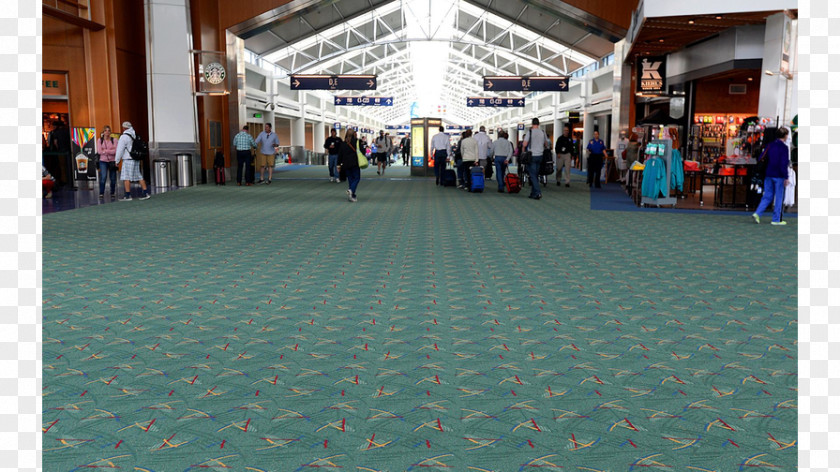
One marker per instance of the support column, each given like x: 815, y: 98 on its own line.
x: 318, y: 130
x: 169, y: 77
x: 774, y: 100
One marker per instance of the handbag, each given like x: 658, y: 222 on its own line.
x: 363, y: 162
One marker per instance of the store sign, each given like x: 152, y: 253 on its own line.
x: 677, y: 108
x: 212, y: 75
x: 54, y: 85
x: 574, y: 116
x: 650, y: 75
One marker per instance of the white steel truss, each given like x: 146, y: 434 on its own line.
x: 480, y: 43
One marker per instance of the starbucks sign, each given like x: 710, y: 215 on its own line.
x: 214, y: 73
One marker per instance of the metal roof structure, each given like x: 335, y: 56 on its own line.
x: 410, y: 43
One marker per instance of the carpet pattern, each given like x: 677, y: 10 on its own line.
x: 282, y: 328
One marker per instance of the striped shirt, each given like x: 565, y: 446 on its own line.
x: 244, y: 141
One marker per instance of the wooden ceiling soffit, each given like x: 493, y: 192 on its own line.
x: 264, y: 21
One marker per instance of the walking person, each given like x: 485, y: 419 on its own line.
x: 776, y: 178
x: 596, y: 149
x: 535, y: 142
x: 267, y: 144
x: 244, y: 143
x: 383, y: 149
x: 484, y: 144
x: 440, y: 148
x: 130, y: 167
x: 502, y: 151
x: 107, y: 149
x: 405, y: 147
x: 469, y: 157
x: 563, y: 148
x: 348, y: 162
x: 331, y: 145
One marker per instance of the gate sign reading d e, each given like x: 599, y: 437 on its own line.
x: 650, y: 75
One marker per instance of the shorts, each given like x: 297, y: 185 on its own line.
x: 381, y: 157
x: 264, y: 160
x: 131, y: 170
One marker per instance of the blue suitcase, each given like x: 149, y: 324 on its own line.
x: 476, y: 179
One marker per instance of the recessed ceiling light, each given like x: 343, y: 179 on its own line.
x: 691, y: 22
x: 718, y: 17
x: 749, y: 78
x: 661, y: 40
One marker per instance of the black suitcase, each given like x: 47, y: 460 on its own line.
x: 250, y: 172
x: 449, y: 178
x: 219, y: 167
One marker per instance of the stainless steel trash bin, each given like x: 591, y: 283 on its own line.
x: 185, y: 177
x: 163, y: 172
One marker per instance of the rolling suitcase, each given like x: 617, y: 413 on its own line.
x: 476, y: 179
x: 512, y: 183
x: 219, y: 167
x: 449, y: 178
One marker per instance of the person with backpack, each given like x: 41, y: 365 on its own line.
x: 107, y: 148
x: 130, y: 162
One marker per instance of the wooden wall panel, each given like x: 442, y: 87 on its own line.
x: 713, y: 97
x: 130, y: 49
x: 233, y: 12
x: 617, y: 12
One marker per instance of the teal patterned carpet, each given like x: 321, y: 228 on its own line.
x: 282, y: 328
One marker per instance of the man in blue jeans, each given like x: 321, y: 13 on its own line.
x: 440, y: 147
x: 540, y: 143
x: 331, y: 146
x: 775, y: 179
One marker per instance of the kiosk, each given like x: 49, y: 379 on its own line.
x: 422, y: 130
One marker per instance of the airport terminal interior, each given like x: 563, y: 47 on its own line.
x: 630, y: 316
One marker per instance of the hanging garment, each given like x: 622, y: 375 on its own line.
x: 654, y: 180
x: 790, y: 189
x: 677, y: 171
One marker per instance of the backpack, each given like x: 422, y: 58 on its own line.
x: 139, y: 148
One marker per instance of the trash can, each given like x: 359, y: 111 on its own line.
x: 163, y: 172
x: 185, y: 177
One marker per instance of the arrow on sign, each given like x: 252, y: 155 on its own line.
x: 562, y: 84
x: 489, y: 85
x: 388, y: 101
x: 521, y: 102
x: 296, y: 83
x: 370, y: 83
x: 471, y: 102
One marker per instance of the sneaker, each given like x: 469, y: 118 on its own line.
x: 377, y: 172
x: 756, y: 218
x: 260, y: 181
x: 126, y: 198
x: 352, y: 198
x: 349, y: 195
x: 267, y: 182
x: 778, y: 223
x: 101, y: 196
x: 145, y: 196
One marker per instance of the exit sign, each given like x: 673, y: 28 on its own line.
x: 257, y: 115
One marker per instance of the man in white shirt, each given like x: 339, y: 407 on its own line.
x: 469, y: 156
x: 484, y: 143
x: 535, y: 142
x: 440, y: 149
x: 383, y: 150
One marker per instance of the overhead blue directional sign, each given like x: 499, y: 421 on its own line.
x: 526, y: 84
x: 364, y: 101
x: 473, y: 102
x: 332, y: 82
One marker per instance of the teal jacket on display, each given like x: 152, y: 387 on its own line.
x: 677, y: 174
x: 654, y: 178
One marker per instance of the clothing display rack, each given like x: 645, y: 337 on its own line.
x: 660, y: 148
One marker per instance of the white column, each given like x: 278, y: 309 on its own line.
x: 773, y: 99
x: 299, y: 123
x: 588, y: 129
x: 318, y: 130
x: 169, y: 79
